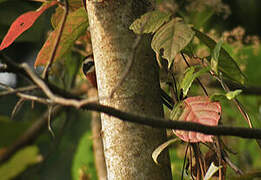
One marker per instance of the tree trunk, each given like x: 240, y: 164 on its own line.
x: 128, y: 147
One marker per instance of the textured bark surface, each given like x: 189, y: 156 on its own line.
x: 127, y: 146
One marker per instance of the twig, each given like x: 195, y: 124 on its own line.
x: 17, y: 107
x: 56, y: 43
x: 55, y: 99
x: 184, y: 162
x: 17, y: 90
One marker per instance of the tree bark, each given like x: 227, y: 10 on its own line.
x: 127, y: 146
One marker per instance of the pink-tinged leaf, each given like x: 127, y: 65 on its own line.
x: 22, y: 23
x: 197, y: 109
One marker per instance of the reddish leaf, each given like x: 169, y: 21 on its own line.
x: 76, y: 24
x: 197, y: 109
x: 22, y: 23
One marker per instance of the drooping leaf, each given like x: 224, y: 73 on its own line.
x: 197, y: 109
x: 76, y: 24
x: 211, y: 171
x: 190, y: 76
x: 159, y: 149
x: 172, y: 38
x: 226, y: 63
x: 232, y: 94
x: 22, y: 23
x: 215, y: 57
x: 149, y: 22
x: 19, y: 162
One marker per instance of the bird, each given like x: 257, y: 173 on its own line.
x: 88, y: 69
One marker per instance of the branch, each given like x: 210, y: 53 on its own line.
x: 150, y: 121
x: 174, y: 124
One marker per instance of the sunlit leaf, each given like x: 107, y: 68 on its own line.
x: 215, y: 57
x: 76, y: 25
x: 223, y: 97
x: 83, y: 160
x: 149, y: 22
x: 211, y: 171
x: 232, y: 94
x: 19, y: 162
x: 226, y: 63
x: 159, y: 149
x: 190, y: 76
x: 22, y: 23
x: 172, y: 38
x: 197, y: 109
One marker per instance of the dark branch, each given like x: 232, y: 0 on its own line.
x: 179, y: 125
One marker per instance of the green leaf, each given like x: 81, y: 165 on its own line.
x: 76, y: 25
x: 177, y: 111
x: 223, y: 97
x: 83, y: 161
x: 149, y: 22
x: 190, y: 76
x: 211, y: 171
x: 232, y: 94
x: 19, y: 162
x: 172, y: 38
x: 215, y: 57
x: 226, y: 63
x: 160, y: 148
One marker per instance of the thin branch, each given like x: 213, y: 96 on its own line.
x: 56, y: 43
x: 179, y: 125
x: 17, y: 90
x: 17, y: 107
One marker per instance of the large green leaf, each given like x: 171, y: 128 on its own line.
x: 149, y: 22
x: 226, y: 63
x: 19, y: 162
x: 172, y: 38
x: 76, y: 25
